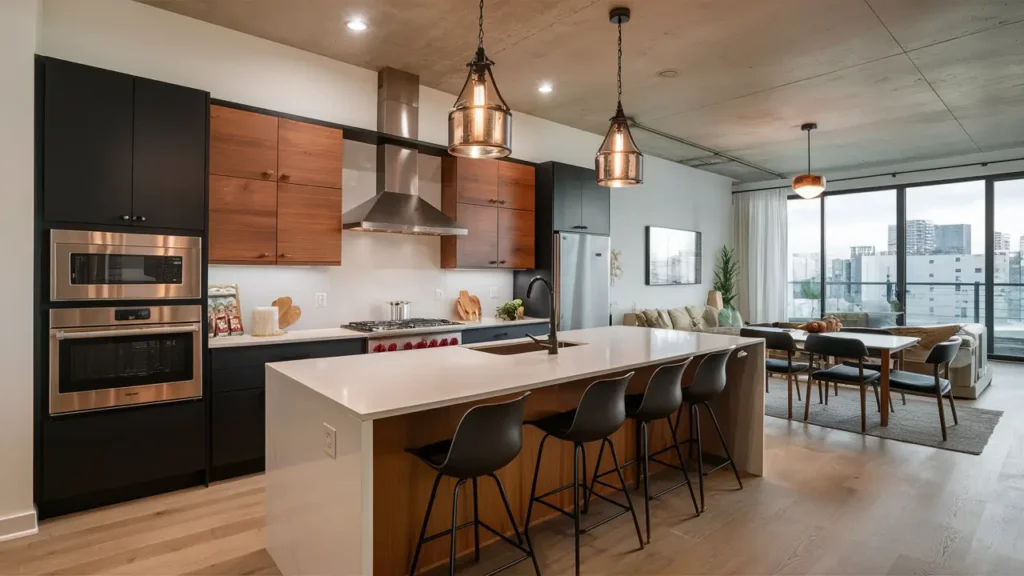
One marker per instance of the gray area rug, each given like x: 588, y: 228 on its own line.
x: 916, y: 423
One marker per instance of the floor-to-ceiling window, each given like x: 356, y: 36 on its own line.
x: 945, y: 247
x: 860, y: 258
x: 1007, y: 278
x: 803, y: 300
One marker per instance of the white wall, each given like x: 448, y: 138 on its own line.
x: 18, y: 22
x: 145, y: 41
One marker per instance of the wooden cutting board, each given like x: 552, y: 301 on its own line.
x: 476, y: 306
x: 463, y: 313
x: 287, y: 314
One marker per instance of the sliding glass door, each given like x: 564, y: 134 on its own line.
x: 1007, y: 322
x: 803, y: 300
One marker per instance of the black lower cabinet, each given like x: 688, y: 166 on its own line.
x: 98, y: 458
x: 238, y: 400
x: 476, y: 335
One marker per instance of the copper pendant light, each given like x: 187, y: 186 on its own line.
x: 480, y: 123
x: 809, y: 185
x: 619, y: 162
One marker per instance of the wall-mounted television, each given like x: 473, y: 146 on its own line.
x: 673, y: 257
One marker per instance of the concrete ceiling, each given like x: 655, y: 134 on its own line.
x: 887, y: 81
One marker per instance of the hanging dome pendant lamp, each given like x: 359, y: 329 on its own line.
x: 619, y: 162
x: 480, y: 123
x: 809, y: 185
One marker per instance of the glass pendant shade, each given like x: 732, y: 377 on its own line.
x: 480, y: 123
x: 809, y: 185
x: 619, y: 162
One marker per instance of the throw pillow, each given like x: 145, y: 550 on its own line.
x: 664, y: 320
x: 697, y: 314
x: 730, y: 318
x: 641, y: 321
x: 680, y: 319
x: 929, y: 335
x: 711, y: 317
x: 657, y: 319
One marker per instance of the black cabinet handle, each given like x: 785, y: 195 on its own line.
x: 502, y: 335
x: 493, y: 262
x: 501, y: 202
x: 125, y: 217
x: 501, y: 261
x: 491, y: 200
x: 584, y: 227
x: 140, y: 218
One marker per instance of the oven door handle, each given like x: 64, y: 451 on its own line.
x: 61, y: 335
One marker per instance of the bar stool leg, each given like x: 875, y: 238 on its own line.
x: 455, y: 525
x: 533, y: 492
x: 576, y: 501
x: 512, y: 520
x: 725, y: 447
x: 647, y: 486
x: 637, y: 448
x: 593, y: 478
x: 629, y: 501
x: 695, y: 418
x: 476, y: 524
x: 426, y: 520
x: 586, y: 497
x: 682, y: 463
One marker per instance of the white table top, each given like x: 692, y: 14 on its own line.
x: 871, y: 341
x: 373, y: 386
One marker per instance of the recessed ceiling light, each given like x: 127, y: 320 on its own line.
x: 545, y: 88
x: 356, y: 24
x: 668, y: 73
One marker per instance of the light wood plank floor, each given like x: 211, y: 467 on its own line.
x: 831, y: 502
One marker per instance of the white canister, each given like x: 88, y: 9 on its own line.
x: 264, y: 321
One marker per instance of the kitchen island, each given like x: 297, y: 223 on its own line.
x: 344, y: 498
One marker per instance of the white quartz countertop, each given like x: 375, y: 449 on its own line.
x: 373, y: 386
x: 291, y: 336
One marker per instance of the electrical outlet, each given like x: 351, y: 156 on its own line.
x: 493, y: 292
x: 321, y: 299
x: 330, y: 441
x: 438, y: 294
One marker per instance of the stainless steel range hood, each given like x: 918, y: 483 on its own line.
x: 397, y: 207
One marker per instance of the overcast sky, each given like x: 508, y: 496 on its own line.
x: 864, y: 219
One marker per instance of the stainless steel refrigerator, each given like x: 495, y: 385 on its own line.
x: 582, y: 274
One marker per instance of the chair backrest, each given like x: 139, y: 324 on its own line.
x: 601, y: 411
x: 709, y: 379
x: 943, y: 352
x: 861, y: 330
x: 487, y: 439
x: 835, y: 346
x: 664, y: 394
x: 773, y: 339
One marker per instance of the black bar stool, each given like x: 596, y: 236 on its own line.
x: 601, y: 412
x: 708, y: 382
x: 781, y: 342
x: 662, y: 398
x: 486, y: 440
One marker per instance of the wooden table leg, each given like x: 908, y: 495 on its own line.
x: 789, y: 394
x: 886, y: 358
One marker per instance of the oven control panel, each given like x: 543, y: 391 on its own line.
x: 417, y: 342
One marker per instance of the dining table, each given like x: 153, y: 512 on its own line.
x: 887, y: 346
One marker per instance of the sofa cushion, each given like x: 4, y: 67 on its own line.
x: 729, y: 318
x: 657, y: 319
x: 929, y: 335
x: 680, y: 319
x: 697, y: 315
x: 637, y: 318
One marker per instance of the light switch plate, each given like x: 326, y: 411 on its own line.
x: 321, y: 299
x: 493, y: 292
x: 438, y: 294
x: 330, y: 441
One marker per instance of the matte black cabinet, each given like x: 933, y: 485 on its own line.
x: 120, y: 150
x: 238, y: 409
x: 508, y: 332
x: 578, y: 203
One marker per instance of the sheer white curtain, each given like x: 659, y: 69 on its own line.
x: 759, y: 237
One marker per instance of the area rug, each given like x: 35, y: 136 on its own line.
x: 915, y: 423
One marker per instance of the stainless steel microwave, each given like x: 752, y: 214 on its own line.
x: 88, y: 265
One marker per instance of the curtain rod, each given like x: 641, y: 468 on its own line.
x: 895, y: 174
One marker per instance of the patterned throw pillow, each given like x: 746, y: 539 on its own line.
x: 640, y: 320
x: 680, y: 319
x: 711, y: 317
x: 657, y: 319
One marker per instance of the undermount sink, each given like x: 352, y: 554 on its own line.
x: 521, y: 348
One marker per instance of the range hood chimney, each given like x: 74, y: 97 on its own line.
x: 397, y: 206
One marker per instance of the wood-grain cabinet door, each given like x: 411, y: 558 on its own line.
x: 479, y: 248
x: 515, y: 238
x: 309, y: 154
x: 308, y: 225
x: 516, y: 186
x: 243, y: 221
x: 477, y: 181
x: 243, y: 144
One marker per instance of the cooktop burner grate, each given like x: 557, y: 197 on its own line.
x: 387, y: 325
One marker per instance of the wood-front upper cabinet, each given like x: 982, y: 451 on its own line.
x: 309, y: 154
x: 243, y: 221
x: 495, y: 201
x: 308, y: 225
x: 243, y: 144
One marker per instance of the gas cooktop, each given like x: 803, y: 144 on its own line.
x: 387, y: 325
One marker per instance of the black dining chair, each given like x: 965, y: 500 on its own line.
x: 922, y: 385
x: 600, y: 413
x: 487, y: 439
x: 842, y: 349
x: 662, y: 399
x: 780, y: 341
x: 708, y: 382
x: 871, y: 362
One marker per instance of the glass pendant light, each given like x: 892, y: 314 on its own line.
x: 809, y: 185
x: 480, y: 123
x: 619, y: 162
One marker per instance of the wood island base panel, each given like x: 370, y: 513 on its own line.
x: 343, y: 496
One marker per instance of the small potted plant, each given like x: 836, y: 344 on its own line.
x: 726, y: 273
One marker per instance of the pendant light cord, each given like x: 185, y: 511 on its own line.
x: 620, y: 67
x: 808, y: 151
x: 480, y: 37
